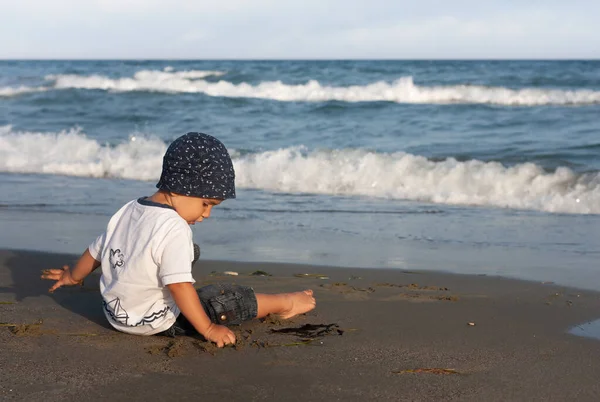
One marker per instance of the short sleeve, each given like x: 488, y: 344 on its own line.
x: 96, y: 247
x: 175, y: 260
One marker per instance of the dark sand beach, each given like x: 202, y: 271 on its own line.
x: 376, y: 335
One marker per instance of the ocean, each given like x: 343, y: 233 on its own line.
x: 481, y: 167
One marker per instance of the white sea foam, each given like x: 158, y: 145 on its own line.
x: 6, y: 92
x: 342, y: 172
x: 402, y: 90
x: 413, y: 177
x: 145, y: 80
x: 71, y: 153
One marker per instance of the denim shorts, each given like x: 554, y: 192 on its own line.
x: 224, y: 304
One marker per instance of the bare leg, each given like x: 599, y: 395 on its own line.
x: 286, y: 305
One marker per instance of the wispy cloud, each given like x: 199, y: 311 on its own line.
x: 299, y: 29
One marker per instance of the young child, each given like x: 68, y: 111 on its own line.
x: 147, y: 251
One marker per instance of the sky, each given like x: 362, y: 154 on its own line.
x: 299, y: 29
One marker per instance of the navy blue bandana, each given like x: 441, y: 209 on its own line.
x: 198, y: 165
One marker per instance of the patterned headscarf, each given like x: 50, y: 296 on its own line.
x: 198, y: 165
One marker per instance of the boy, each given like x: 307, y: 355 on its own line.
x: 147, y: 252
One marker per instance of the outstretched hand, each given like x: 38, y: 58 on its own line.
x: 62, y: 277
x: 220, y: 335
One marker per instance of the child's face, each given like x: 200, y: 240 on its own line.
x: 194, y: 209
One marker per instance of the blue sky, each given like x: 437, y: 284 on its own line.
x: 267, y: 29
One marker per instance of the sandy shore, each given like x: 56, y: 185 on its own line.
x: 376, y: 335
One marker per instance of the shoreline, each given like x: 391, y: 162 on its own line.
x: 550, y: 248
x: 377, y: 334
x: 584, y: 280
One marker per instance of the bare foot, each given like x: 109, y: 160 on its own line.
x: 300, y: 302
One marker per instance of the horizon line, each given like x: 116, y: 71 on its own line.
x: 300, y: 59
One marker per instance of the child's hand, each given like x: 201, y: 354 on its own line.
x: 220, y: 335
x: 61, y: 276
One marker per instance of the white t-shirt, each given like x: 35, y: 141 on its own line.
x: 146, y: 246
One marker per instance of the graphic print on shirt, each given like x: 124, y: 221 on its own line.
x: 118, y: 313
x: 154, y: 316
x: 116, y: 258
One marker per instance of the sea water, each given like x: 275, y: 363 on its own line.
x: 488, y: 167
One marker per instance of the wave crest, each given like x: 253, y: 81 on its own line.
x: 71, y: 153
x: 412, y: 177
x: 402, y: 90
x: 342, y: 172
x: 7, y: 92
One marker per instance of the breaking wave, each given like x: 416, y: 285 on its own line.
x: 335, y: 172
x: 7, y: 92
x: 403, y: 90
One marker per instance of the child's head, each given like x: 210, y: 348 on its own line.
x: 197, y: 166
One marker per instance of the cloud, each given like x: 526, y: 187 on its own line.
x: 299, y: 29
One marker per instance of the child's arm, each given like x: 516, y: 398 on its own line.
x: 188, y: 302
x: 66, y: 277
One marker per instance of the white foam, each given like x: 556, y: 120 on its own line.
x: 412, y: 177
x: 340, y: 172
x: 71, y: 153
x: 145, y: 80
x: 167, y: 80
x: 7, y: 92
x: 402, y: 90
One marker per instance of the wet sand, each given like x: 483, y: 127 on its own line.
x: 376, y: 335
